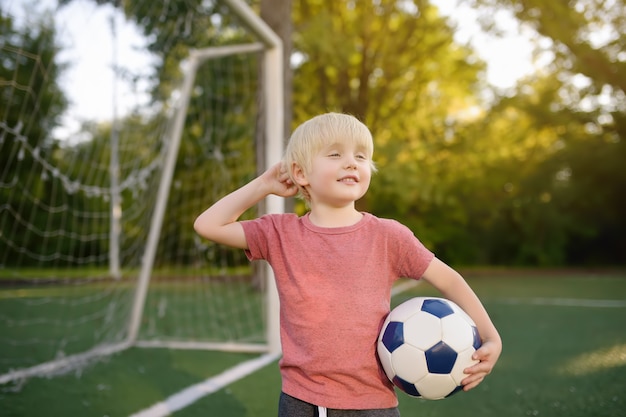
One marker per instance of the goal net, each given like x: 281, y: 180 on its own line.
x: 106, y: 162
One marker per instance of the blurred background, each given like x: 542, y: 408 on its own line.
x: 499, y: 130
x: 499, y: 125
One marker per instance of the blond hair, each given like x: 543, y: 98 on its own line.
x: 321, y: 131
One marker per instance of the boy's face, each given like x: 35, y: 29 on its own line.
x: 340, y: 175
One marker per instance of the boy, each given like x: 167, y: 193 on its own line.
x: 334, y: 269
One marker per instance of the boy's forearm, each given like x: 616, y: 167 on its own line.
x: 486, y: 329
x: 229, y: 208
x: 213, y: 222
x: 454, y: 287
x: 466, y: 298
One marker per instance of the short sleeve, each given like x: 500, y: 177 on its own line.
x: 260, y: 234
x: 414, y: 257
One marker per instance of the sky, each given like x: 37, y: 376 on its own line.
x: 88, y: 42
x: 508, y: 58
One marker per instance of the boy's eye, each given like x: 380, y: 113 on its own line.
x: 361, y: 156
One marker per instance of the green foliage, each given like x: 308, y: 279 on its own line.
x: 176, y: 26
x: 31, y: 103
x: 216, y: 154
x: 566, y: 208
x: 510, y: 181
x: 216, y: 151
x: 393, y: 58
x: 532, y: 177
x: 398, y: 68
x: 216, y: 146
x: 588, y: 36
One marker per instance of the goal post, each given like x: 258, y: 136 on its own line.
x: 273, y: 155
x: 273, y: 96
x: 92, y: 259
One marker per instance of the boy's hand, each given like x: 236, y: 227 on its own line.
x: 488, y: 355
x: 278, y: 182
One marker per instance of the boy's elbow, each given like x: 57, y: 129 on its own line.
x: 200, y: 228
x: 230, y: 234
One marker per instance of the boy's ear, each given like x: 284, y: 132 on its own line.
x: 298, y: 174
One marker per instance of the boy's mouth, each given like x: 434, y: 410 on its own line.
x: 349, y: 179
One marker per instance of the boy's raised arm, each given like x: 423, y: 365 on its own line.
x: 219, y: 223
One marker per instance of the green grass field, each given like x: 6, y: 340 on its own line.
x: 564, y: 354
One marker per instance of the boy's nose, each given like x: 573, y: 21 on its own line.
x: 351, y: 162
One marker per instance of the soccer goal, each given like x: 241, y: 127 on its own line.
x: 97, y: 248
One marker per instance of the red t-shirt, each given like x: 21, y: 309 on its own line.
x: 334, y: 286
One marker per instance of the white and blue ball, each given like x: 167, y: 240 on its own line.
x: 424, y: 346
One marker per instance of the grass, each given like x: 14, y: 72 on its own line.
x: 118, y: 386
x: 558, y: 360
x: 93, y: 273
x: 35, y: 324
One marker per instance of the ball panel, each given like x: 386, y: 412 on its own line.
x: 456, y: 332
x: 384, y: 357
x: 457, y: 389
x: 440, y: 358
x: 435, y: 386
x: 425, y: 344
x: 409, y: 363
x: 458, y: 310
x: 477, y: 342
x: 393, y: 336
x: 422, y: 330
x: 463, y: 360
x: 405, y: 386
x: 405, y: 310
x: 438, y: 307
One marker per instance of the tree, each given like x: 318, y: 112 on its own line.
x: 30, y: 105
x: 587, y: 36
x: 395, y: 66
x: 582, y: 103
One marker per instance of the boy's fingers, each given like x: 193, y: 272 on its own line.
x: 482, y: 352
x: 471, y: 385
x: 475, y: 376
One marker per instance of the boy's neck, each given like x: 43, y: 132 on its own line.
x: 334, y: 217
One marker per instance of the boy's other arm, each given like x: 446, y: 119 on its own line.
x: 454, y: 287
x: 219, y: 222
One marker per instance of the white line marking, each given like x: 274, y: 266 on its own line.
x: 193, y: 393
x: 566, y: 302
x: 403, y: 286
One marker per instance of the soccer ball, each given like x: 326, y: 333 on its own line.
x: 424, y: 345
